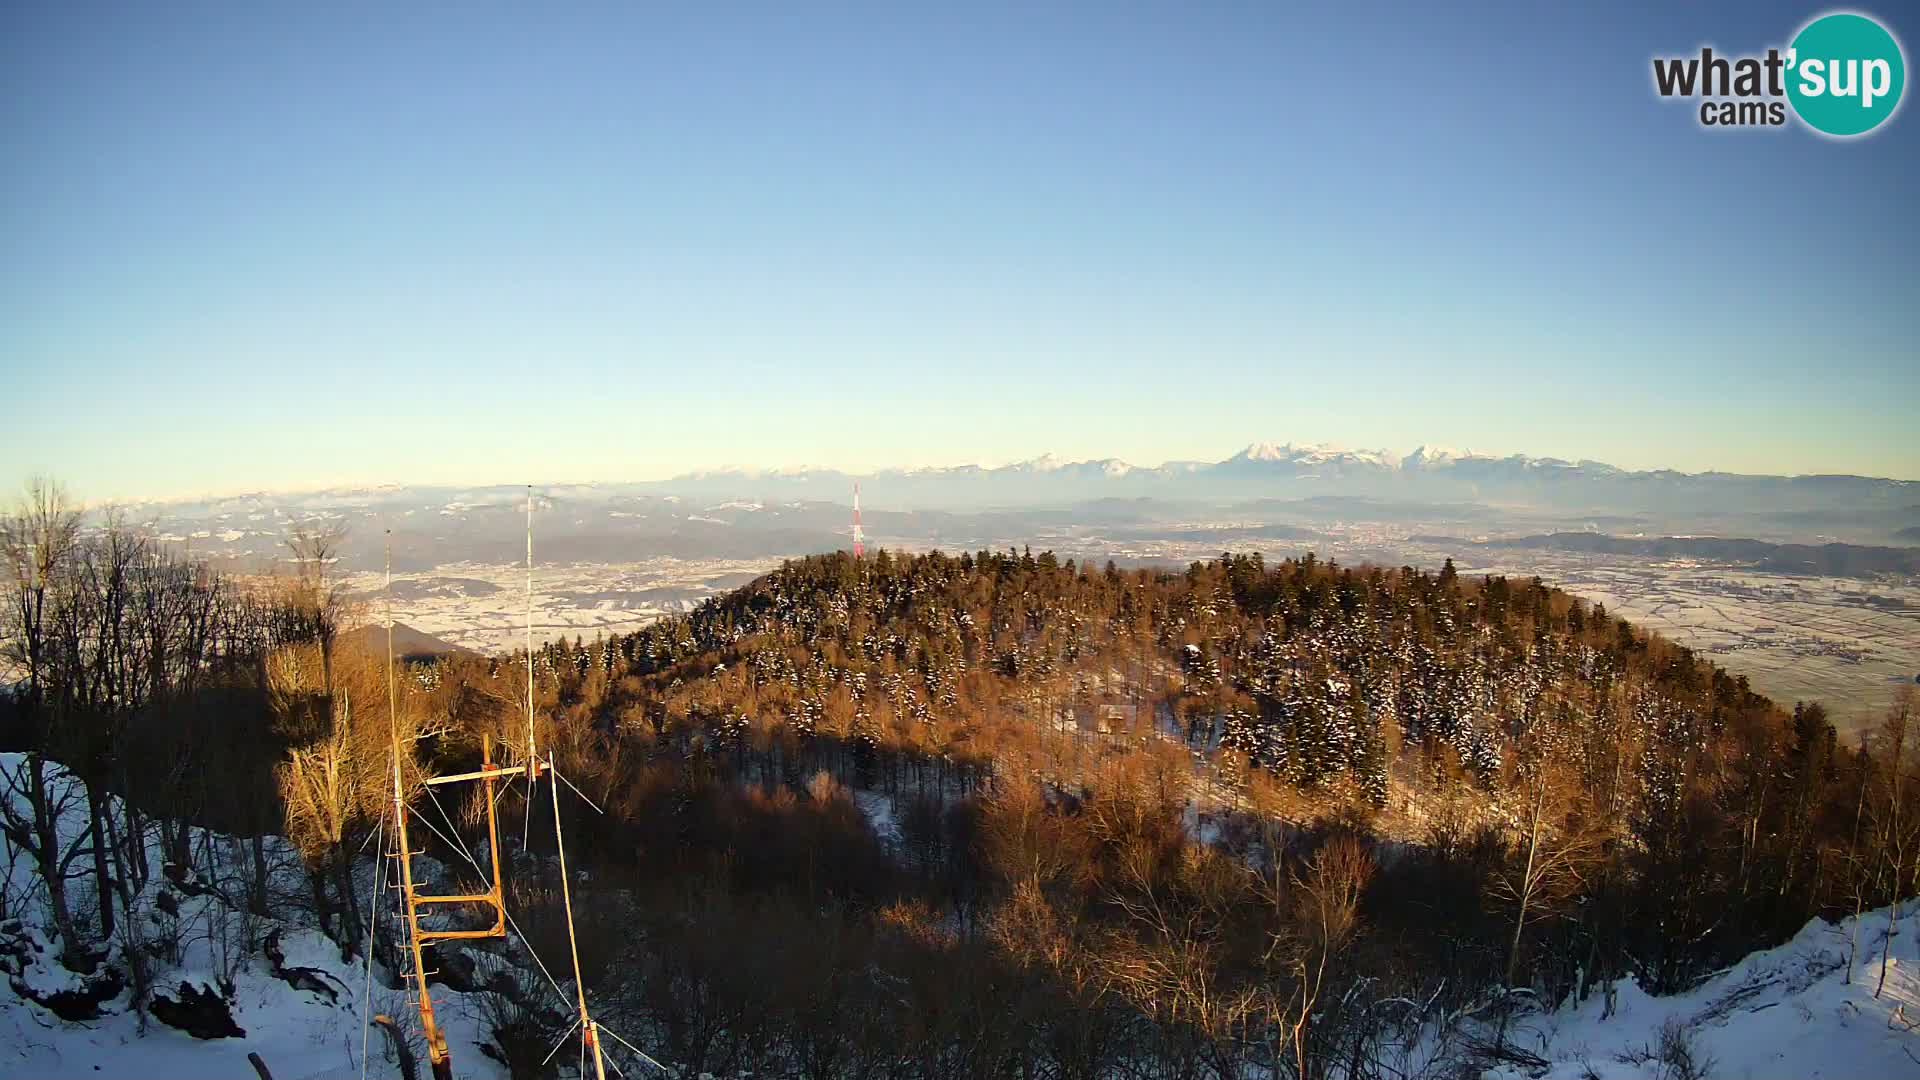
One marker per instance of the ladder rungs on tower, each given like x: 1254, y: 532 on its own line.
x: 471, y: 898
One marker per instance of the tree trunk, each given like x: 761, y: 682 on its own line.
x: 350, y: 910
x: 257, y: 896
x: 1886, y: 948
x: 102, y: 880
x: 47, y: 857
x: 136, y: 844
x: 322, y: 910
x: 1526, y: 894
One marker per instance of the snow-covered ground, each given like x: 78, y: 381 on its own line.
x: 200, y: 942
x: 300, y: 1034
x: 1788, y: 1012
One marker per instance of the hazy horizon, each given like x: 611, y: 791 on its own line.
x: 94, y: 498
x: 719, y: 469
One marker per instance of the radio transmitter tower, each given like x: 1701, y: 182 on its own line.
x: 859, y: 538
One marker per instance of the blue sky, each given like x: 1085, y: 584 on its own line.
x: 243, y: 248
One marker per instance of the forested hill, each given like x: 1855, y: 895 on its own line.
x: 1310, y: 670
x: 1622, y: 803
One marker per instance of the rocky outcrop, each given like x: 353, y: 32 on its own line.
x: 310, y: 979
x: 77, y: 996
x: 201, y: 1011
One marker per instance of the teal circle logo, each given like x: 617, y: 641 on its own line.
x: 1845, y: 73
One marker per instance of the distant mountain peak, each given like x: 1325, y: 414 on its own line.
x: 1050, y: 463
x: 1265, y: 451
x: 1427, y: 454
x: 1314, y: 454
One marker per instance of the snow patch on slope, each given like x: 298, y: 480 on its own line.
x: 1790, y: 1011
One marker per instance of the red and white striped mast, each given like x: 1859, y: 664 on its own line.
x: 859, y: 538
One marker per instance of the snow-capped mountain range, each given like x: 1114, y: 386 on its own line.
x: 1294, y: 470
x: 1261, y: 471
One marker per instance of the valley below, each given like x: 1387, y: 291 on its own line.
x: 610, y: 559
x: 1795, y: 638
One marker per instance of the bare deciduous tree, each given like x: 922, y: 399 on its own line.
x: 1896, y: 821
x: 316, y: 600
x: 39, y: 539
x: 336, y: 780
x: 1320, y: 913
x: 1556, y: 847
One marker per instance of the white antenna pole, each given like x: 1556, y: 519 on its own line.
x: 533, y: 762
x: 859, y: 537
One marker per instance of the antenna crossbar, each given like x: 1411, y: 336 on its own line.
x: 471, y: 898
x: 478, y: 774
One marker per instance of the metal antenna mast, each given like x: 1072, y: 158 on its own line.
x: 418, y: 937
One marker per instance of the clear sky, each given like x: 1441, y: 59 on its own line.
x: 280, y: 245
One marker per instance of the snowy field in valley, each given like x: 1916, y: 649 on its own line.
x: 484, y: 607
